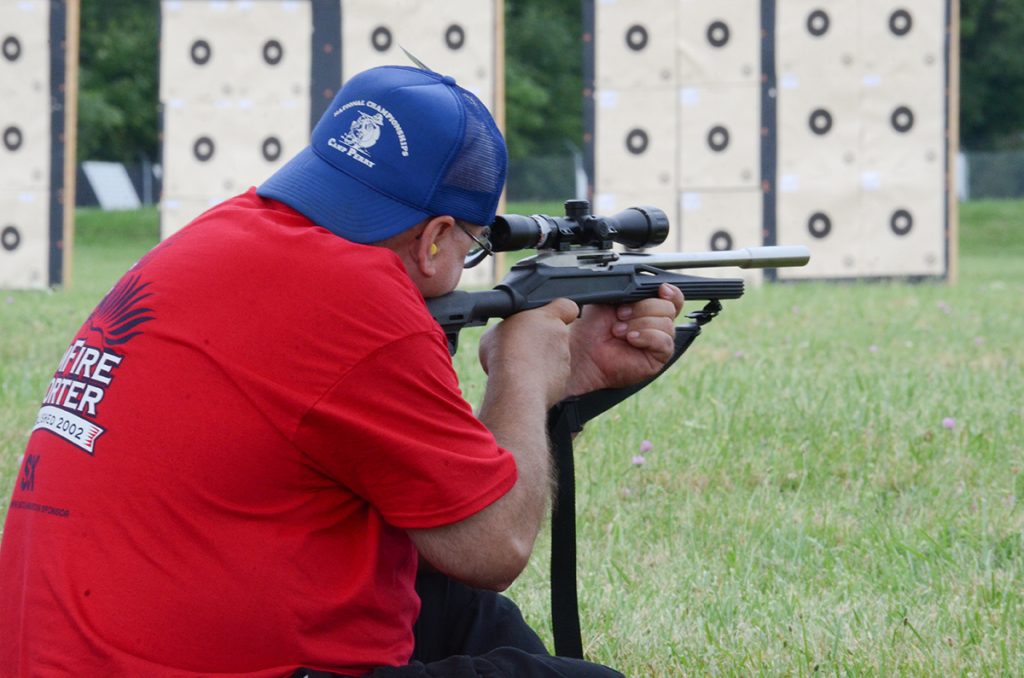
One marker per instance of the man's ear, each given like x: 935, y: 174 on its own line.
x: 428, y: 244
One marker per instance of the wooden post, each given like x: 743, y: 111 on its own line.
x: 499, y: 110
x: 71, y: 42
x: 953, y: 142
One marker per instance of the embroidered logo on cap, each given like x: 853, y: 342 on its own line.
x: 364, y: 132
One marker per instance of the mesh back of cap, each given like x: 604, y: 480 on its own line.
x: 472, y: 185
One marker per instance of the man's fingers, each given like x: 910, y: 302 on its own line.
x: 654, y: 334
x: 656, y: 342
x: 667, y: 304
x: 648, y: 322
x: 564, y: 309
x: 673, y: 294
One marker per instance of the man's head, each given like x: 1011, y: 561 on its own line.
x: 397, y: 146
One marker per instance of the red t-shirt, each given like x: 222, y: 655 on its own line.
x: 227, y: 459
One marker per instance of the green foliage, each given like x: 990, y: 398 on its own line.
x: 992, y: 73
x: 118, y: 91
x: 543, y: 71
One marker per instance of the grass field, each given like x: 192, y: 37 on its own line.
x: 833, y: 482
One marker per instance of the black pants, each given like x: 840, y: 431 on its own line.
x: 464, y: 632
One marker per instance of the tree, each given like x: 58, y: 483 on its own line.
x: 543, y: 76
x: 118, y: 75
x: 991, y: 73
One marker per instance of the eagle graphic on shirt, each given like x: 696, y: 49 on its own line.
x: 71, y: 405
x: 120, y: 313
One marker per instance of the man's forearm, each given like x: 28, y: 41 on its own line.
x: 490, y: 548
x: 517, y: 417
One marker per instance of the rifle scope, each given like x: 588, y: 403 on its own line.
x: 635, y: 227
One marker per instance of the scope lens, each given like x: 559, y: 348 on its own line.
x: 639, y: 227
x: 511, y: 232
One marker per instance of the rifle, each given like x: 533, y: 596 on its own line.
x: 576, y: 259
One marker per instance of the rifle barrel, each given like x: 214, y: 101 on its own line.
x: 775, y: 256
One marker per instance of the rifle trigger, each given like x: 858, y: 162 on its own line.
x: 453, y: 342
x: 706, y: 314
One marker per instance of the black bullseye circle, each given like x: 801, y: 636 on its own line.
x: 819, y: 225
x: 13, y: 138
x: 455, y: 37
x: 203, y: 149
x: 820, y: 121
x: 201, y: 52
x: 381, y: 39
x: 271, y: 149
x: 11, y: 48
x: 902, y: 119
x: 637, y: 141
x: 900, y: 22
x: 901, y: 222
x: 10, y: 238
x: 818, y: 23
x: 273, y: 52
x: 720, y: 241
x: 718, y: 138
x: 718, y: 33
x: 636, y: 37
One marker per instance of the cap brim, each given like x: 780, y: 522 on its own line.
x: 335, y: 200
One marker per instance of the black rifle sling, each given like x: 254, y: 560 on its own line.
x: 565, y: 615
x: 565, y: 419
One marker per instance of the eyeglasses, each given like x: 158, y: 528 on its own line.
x: 482, y: 246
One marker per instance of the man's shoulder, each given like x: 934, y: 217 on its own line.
x: 250, y: 231
x: 250, y: 246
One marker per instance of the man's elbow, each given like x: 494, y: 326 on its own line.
x: 499, y: 575
x: 491, y: 564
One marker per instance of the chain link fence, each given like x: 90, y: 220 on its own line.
x: 980, y: 175
x: 990, y: 175
x: 544, y: 178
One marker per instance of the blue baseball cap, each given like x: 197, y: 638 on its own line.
x: 397, y: 145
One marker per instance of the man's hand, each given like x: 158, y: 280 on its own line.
x: 532, y: 348
x: 614, y: 347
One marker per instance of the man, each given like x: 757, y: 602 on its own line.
x: 258, y: 433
